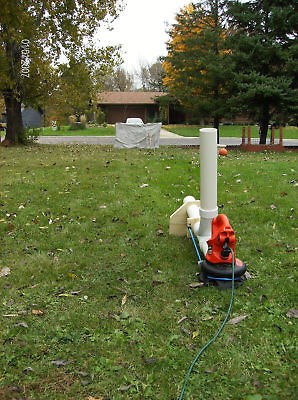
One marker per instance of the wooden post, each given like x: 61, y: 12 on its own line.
x: 281, y: 136
x: 249, y: 135
x: 243, y: 135
x: 272, y: 134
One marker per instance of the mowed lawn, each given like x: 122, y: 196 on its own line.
x: 97, y: 300
x: 289, y: 132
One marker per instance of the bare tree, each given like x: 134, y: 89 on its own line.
x: 119, y: 80
x: 151, y: 77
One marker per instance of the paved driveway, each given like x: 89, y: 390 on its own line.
x: 166, y: 139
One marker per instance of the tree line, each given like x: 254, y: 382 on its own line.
x: 224, y: 58
x: 229, y: 57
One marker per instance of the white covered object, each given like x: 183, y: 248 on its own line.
x: 140, y: 136
x: 135, y: 121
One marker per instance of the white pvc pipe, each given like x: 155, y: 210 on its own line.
x: 208, y: 168
x: 193, y: 211
x: 208, y: 182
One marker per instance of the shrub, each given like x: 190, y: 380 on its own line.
x: 75, y: 124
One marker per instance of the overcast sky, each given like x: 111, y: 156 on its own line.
x: 141, y: 29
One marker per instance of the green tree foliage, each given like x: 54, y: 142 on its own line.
x: 77, y: 84
x: 198, y: 65
x: 264, y: 44
x: 34, y: 34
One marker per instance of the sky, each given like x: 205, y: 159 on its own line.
x: 141, y: 30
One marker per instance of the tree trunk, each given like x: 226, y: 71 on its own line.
x: 12, y: 97
x: 264, y: 122
x: 15, y: 128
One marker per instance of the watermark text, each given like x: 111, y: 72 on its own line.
x: 25, y: 58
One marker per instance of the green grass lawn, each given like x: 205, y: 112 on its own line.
x: 109, y: 130
x: 96, y: 300
x: 289, y: 132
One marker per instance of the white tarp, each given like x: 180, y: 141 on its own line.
x: 141, y: 136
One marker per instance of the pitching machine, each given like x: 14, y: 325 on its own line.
x: 200, y: 219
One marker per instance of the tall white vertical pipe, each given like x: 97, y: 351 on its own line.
x: 208, y: 184
x: 208, y: 168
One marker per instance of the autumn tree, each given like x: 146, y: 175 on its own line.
x: 78, y: 83
x: 264, y: 44
x: 197, y: 66
x: 33, y: 36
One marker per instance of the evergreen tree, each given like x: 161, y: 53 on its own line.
x: 264, y: 48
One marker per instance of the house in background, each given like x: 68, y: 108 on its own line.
x: 118, y: 106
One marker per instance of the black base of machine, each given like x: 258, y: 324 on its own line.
x: 221, y: 274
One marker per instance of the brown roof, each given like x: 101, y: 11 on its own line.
x: 128, y: 97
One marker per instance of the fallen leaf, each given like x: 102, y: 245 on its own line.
x: 10, y: 315
x: 236, y: 320
x: 94, y: 398
x: 124, y: 300
x: 27, y: 370
x: 83, y: 374
x: 4, y: 271
x: 72, y: 275
x: 144, y: 185
x: 207, y: 318
x: 182, y: 320
x: 60, y: 363
x: 273, y: 207
x: 292, y: 313
x: 22, y: 324
x: 195, y: 285
x: 247, y: 275
x: 37, y: 312
x: 185, y: 331
x: 65, y: 295
x: 125, y: 388
x: 195, y: 334
x: 159, y: 232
